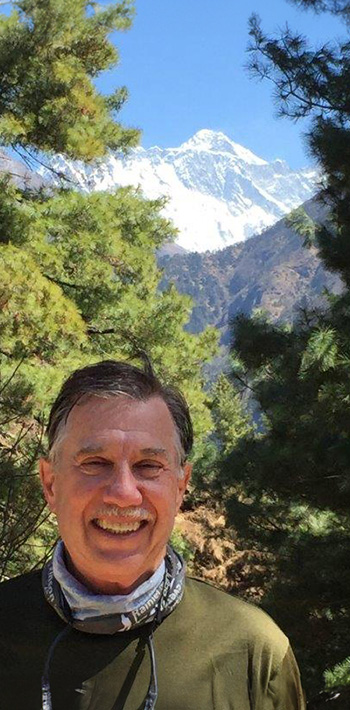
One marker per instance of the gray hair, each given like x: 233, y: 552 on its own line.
x: 112, y: 378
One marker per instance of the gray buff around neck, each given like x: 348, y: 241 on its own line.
x: 158, y: 595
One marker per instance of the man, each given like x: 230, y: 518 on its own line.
x: 111, y: 623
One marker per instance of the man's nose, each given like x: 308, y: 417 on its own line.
x: 122, y: 488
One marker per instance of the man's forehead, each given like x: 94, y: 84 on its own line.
x: 90, y: 439
x: 103, y: 423
x: 121, y: 408
x: 97, y: 420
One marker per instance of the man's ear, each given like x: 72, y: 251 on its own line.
x: 183, y: 483
x: 47, y: 477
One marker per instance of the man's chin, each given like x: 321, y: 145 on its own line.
x: 120, y: 576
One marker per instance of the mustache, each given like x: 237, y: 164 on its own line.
x: 133, y: 513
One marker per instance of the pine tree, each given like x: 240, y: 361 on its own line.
x: 231, y: 423
x: 50, y: 50
x: 296, y: 471
x: 78, y: 274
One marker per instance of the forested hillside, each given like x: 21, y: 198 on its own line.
x: 272, y: 272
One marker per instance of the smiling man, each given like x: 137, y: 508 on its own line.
x: 112, y: 623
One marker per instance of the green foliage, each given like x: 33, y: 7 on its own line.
x: 78, y: 274
x: 38, y: 321
x: 182, y: 545
x: 50, y: 50
x: 303, y: 225
x: 321, y: 351
x: 288, y: 487
x: 82, y: 286
x: 314, y: 82
x: 336, y: 7
x: 338, y: 676
x: 231, y: 423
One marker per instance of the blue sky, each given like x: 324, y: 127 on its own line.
x: 183, y: 63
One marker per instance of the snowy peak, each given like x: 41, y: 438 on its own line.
x: 218, y: 191
x: 217, y: 142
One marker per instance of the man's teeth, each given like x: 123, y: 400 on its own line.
x: 119, y: 527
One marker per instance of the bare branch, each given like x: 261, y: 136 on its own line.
x: 7, y: 382
x: 32, y: 157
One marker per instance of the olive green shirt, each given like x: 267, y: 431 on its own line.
x: 214, y: 652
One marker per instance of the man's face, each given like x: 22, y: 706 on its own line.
x: 115, y: 487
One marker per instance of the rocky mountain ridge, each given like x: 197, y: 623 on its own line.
x: 272, y: 271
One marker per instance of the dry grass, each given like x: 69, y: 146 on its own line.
x: 219, y: 556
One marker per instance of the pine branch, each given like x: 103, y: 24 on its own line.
x: 59, y: 282
x: 107, y: 331
x: 59, y: 173
x: 7, y: 382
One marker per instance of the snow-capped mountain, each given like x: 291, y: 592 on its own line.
x: 219, y: 192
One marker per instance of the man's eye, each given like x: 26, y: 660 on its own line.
x: 95, y: 465
x: 148, y: 468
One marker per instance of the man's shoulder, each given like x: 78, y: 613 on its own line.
x: 23, y: 581
x: 239, y: 635
x: 233, y: 616
x: 20, y: 592
x: 225, y: 603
